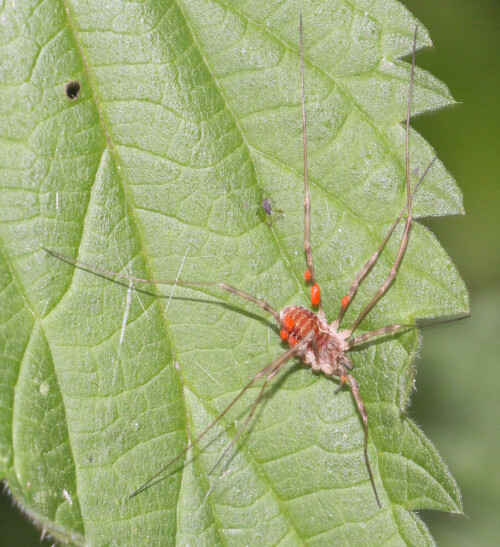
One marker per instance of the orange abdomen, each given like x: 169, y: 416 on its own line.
x: 299, y: 321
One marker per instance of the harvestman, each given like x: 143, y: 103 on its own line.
x: 319, y: 344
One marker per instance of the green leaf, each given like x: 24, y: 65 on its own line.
x: 188, y: 117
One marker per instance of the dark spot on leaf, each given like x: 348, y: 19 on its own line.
x: 73, y: 90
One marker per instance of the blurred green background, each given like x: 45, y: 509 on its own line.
x: 456, y: 402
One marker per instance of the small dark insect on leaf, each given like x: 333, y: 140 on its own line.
x: 266, y: 204
x: 319, y: 344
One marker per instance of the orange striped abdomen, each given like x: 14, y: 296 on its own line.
x: 298, y: 322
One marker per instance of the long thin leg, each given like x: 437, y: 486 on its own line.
x: 364, y: 417
x: 273, y: 367
x: 296, y: 349
x: 346, y: 301
x: 406, y: 234
x: 377, y: 332
x: 307, y: 199
x: 224, y: 286
x: 249, y: 417
x: 393, y: 328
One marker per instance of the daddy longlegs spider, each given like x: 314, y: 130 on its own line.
x: 319, y: 344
